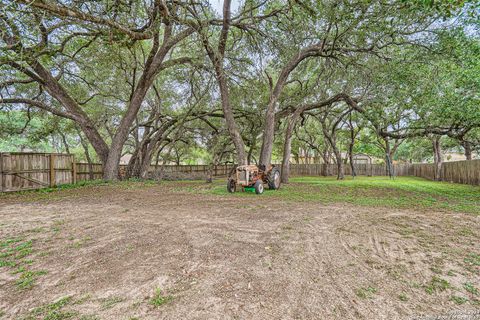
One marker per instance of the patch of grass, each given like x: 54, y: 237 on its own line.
x: 58, y: 310
x: 473, y: 259
x: 82, y: 299
x: 20, y: 269
x: 37, y: 230
x: 471, y: 288
x: 364, y: 293
x: 158, y: 299
x: 89, y: 317
x: 437, y: 284
x: 436, y: 270
x: 13, y: 254
x: 451, y: 273
x: 27, y: 278
x: 458, y: 300
x: 7, y: 242
x: 68, y: 186
x: 402, y: 297
x: 80, y: 243
x: 7, y: 263
x: 401, y: 192
x: 111, y: 301
x: 466, y: 232
x: 53, y: 311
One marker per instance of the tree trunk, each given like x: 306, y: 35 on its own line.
x: 331, y: 138
x: 87, y: 156
x: 287, y: 146
x: 352, y: 165
x: 250, y: 150
x: 132, y: 166
x: 325, y: 156
x: 388, y: 159
x: 269, y: 129
x: 390, y: 151
x: 152, y: 68
x: 351, y: 145
x: 228, y: 114
x: 147, y: 160
x: 65, y: 143
x: 467, y: 146
x: 389, y: 165
x: 217, y: 59
x: 340, y: 171
x: 350, y: 157
x: 211, y: 167
x: 111, y: 156
x: 57, y: 91
x: 437, y: 157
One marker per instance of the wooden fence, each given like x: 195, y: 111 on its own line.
x: 360, y: 169
x: 25, y: 171
x: 195, y: 170
x: 466, y: 172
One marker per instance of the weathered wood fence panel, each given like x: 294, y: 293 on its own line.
x: 360, y: 169
x: 466, y: 172
x: 194, y: 170
x: 87, y: 171
x: 25, y: 171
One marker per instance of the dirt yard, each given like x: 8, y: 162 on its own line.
x: 165, y: 251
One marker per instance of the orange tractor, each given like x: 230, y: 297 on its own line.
x: 252, y: 177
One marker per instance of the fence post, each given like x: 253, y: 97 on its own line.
x: 52, y: 170
x: 74, y: 170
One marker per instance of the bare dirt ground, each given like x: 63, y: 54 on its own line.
x: 159, y: 252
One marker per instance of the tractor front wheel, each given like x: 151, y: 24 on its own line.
x: 258, y: 187
x: 231, y: 185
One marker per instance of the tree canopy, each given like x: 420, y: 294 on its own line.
x: 273, y: 81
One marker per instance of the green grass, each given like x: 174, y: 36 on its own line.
x: 458, y: 300
x: 13, y: 254
x: 158, y: 299
x: 53, y: 311
x: 473, y: 259
x: 111, y: 301
x: 60, y: 309
x: 364, y: 293
x: 471, y: 288
x: 403, y: 297
x: 401, y: 192
x: 436, y: 285
x: 27, y: 278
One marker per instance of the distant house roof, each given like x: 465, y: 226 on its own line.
x: 125, y: 159
x: 362, y: 158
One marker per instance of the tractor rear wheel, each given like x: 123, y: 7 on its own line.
x: 258, y: 186
x: 231, y: 185
x: 274, y: 179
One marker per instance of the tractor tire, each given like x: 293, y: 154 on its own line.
x: 258, y: 187
x: 274, y: 179
x: 231, y: 186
